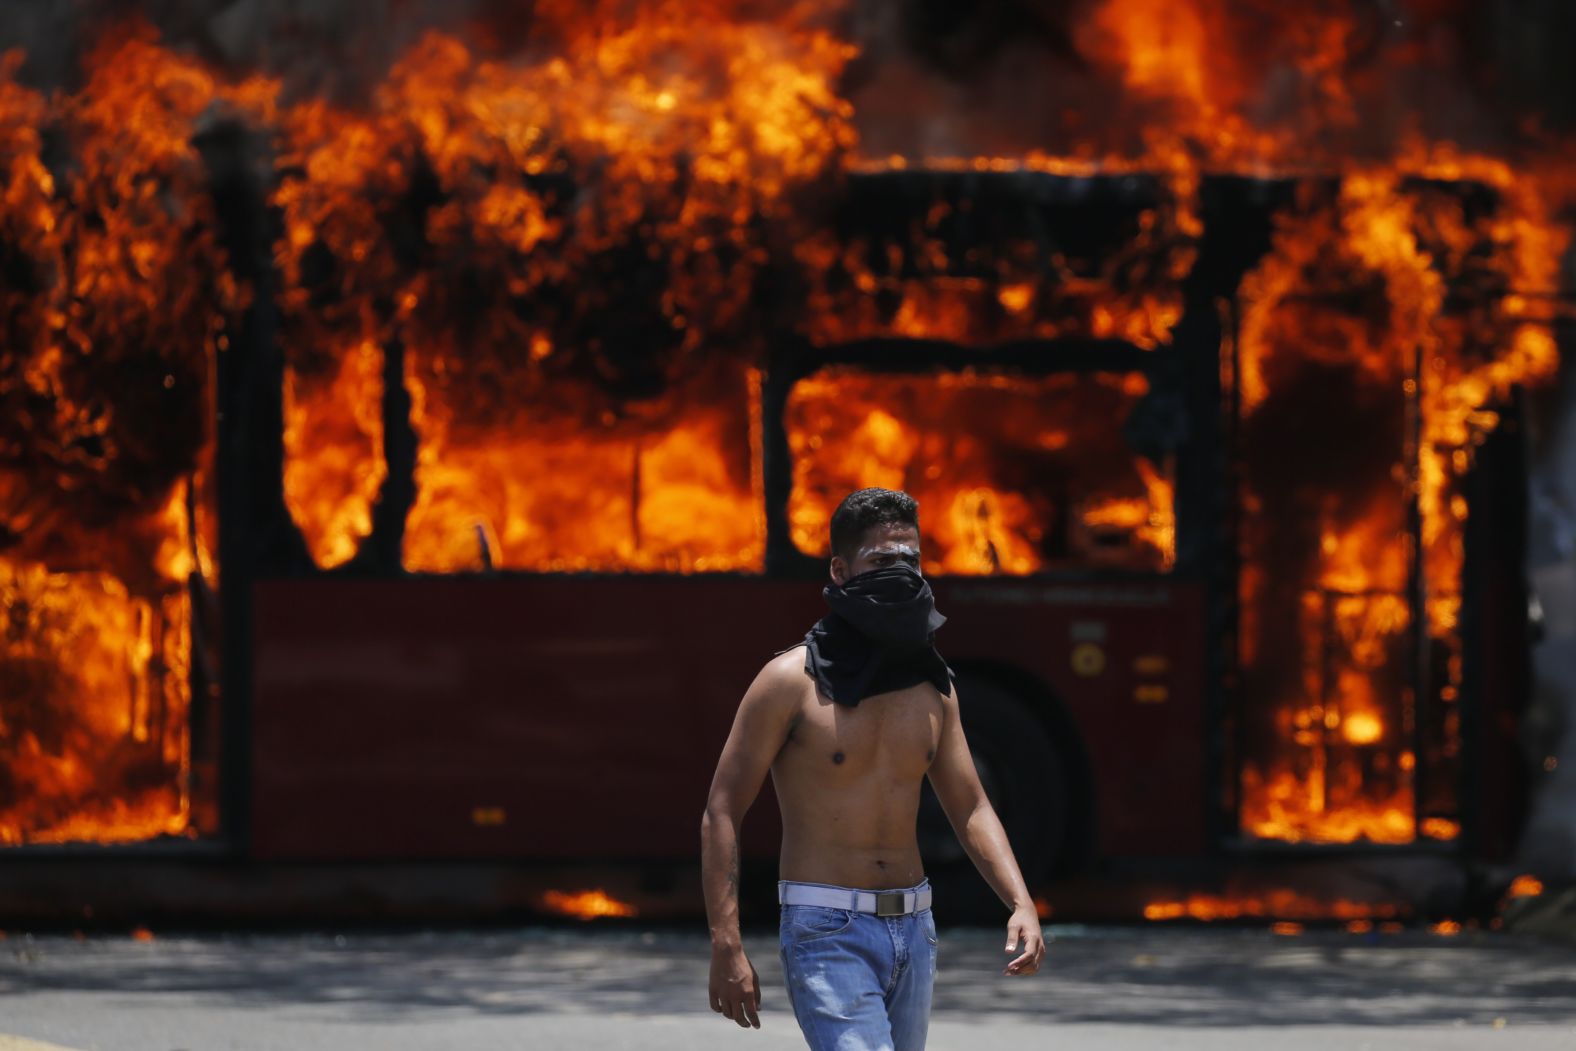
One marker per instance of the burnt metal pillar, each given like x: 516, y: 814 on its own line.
x: 249, y: 435
x: 1238, y: 217
x: 1413, y: 723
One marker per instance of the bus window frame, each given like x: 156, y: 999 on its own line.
x: 792, y: 359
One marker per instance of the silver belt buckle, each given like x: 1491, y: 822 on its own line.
x: 889, y: 903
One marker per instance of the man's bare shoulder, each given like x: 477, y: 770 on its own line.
x: 782, y: 680
x: 771, y: 707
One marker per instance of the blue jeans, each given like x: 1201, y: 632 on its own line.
x: 857, y: 981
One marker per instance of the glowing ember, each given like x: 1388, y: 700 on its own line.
x: 1284, y: 905
x: 1525, y: 886
x: 585, y: 904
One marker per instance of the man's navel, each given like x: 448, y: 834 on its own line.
x: 837, y: 757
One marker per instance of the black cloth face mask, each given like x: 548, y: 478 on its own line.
x: 878, y: 637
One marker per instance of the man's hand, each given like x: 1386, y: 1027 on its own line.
x: 1024, y: 924
x: 736, y: 988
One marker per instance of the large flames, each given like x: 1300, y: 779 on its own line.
x: 115, y: 300
x: 562, y: 270
x: 591, y: 225
x: 585, y: 904
x: 1354, y: 306
x: 1004, y: 492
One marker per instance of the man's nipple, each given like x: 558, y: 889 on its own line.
x: 837, y: 757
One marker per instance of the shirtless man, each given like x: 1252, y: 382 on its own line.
x: 847, y: 770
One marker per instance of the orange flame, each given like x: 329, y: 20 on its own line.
x: 1380, y: 256
x: 1525, y: 886
x: 111, y: 331
x: 1284, y: 905
x: 586, y: 904
x: 944, y: 438
x: 686, y: 132
x: 562, y: 258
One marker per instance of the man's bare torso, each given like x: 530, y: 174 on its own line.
x: 848, y: 781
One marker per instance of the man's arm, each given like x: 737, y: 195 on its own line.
x: 958, y: 789
x: 759, y: 729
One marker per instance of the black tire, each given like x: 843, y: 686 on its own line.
x: 1026, y: 780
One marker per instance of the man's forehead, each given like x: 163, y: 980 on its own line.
x: 892, y: 537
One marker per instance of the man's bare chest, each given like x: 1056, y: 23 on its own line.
x: 894, y: 733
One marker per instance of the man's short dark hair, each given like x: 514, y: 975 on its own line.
x: 864, y: 508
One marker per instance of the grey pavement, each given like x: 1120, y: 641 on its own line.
x: 1102, y: 988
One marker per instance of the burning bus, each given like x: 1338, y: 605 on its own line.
x: 374, y: 468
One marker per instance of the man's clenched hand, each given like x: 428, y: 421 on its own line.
x: 1024, y: 924
x: 735, y: 987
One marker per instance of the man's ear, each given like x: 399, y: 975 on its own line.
x: 839, y: 571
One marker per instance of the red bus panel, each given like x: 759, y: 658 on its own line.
x: 562, y: 717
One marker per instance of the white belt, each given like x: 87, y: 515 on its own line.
x: 882, y: 903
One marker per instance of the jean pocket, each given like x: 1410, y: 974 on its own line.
x: 802, y: 923
x: 928, y: 926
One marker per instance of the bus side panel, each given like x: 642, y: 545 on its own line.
x: 504, y: 717
x: 1127, y: 660
x: 581, y: 717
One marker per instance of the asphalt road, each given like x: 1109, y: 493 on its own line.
x: 1114, y: 988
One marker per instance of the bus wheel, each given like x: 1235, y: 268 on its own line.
x: 1024, y: 777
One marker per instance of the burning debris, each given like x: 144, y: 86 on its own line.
x: 529, y: 288
x: 1283, y: 904
x: 585, y: 904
